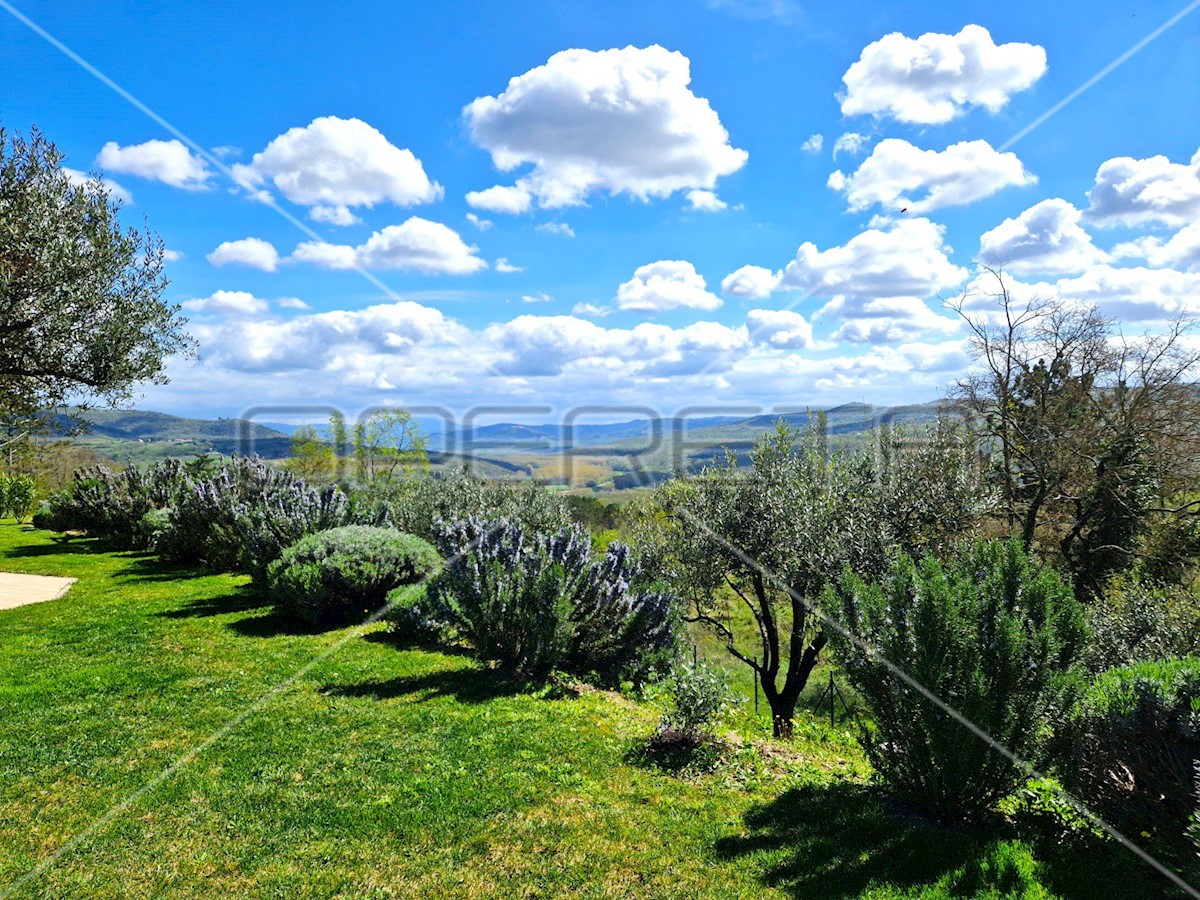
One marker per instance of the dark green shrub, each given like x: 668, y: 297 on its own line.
x: 539, y: 603
x: 156, y: 529
x: 346, y: 573
x: 1137, y: 621
x: 49, y: 515
x: 994, y: 635
x: 1136, y: 743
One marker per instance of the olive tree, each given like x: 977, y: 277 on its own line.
x: 82, y: 317
x: 768, y: 538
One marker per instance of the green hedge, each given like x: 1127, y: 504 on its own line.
x: 346, y: 573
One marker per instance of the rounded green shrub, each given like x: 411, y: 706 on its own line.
x: 346, y: 573
x: 699, y: 696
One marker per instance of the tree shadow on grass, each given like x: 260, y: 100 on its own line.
x: 396, y: 641
x: 841, y: 839
x: 76, y: 546
x: 277, y: 624
x: 241, y: 599
x: 473, y: 685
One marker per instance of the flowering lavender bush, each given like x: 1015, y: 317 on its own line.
x: 111, y: 504
x: 994, y: 635
x: 243, y: 517
x: 538, y: 603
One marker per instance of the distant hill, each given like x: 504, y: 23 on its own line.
x: 142, y: 435
x: 135, y: 424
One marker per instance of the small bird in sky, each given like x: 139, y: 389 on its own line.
x: 904, y: 210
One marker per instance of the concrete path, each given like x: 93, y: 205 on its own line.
x: 17, y: 590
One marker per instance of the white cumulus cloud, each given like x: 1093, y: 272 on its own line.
x: 750, y: 283
x: 663, y: 285
x: 905, y: 258
x: 334, y: 215
x: 234, y: 303
x: 333, y: 164
x: 621, y: 121
x: 935, y: 78
x: 1136, y: 294
x: 901, y: 176
x: 253, y: 252
x: 779, y: 328
x: 1045, y: 239
x: 1180, y: 251
x: 705, y: 201
x: 416, y: 245
x: 170, y: 162
x: 884, y: 320
x: 1152, y: 191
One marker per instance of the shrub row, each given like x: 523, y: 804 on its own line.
x: 239, y: 518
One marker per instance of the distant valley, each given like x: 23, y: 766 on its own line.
x: 613, y: 456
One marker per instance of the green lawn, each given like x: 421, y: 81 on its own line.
x: 381, y: 771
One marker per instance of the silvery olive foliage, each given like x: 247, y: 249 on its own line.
x: 699, y: 695
x: 994, y: 635
x: 81, y: 311
x: 537, y: 603
x: 763, y: 541
x: 18, y: 495
x: 1135, y: 620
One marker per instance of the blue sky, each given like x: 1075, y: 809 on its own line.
x: 606, y: 203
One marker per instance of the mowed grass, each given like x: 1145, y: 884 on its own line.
x: 163, y: 734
